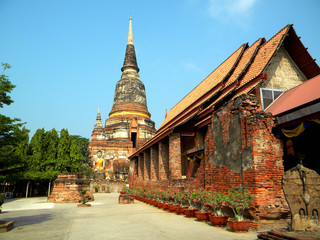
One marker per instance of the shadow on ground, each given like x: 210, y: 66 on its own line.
x: 29, y: 220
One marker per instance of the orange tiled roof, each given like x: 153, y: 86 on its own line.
x: 263, y: 57
x: 238, y: 74
x: 207, y: 84
x: 246, y: 59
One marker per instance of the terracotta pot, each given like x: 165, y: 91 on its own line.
x: 219, y: 221
x: 190, y: 212
x: 239, y: 226
x: 181, y: 210
x: 177, y: 209
x: 172, y: 208
x: 202, y: 216
x: 122, y: 192
x: 165, y: 206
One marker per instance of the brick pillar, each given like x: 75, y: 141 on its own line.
x: 164, y: 159
x: 154, y: 155
x: 141, y: 166
x: 147, y: 175
x: 175, y: 155
x: 132, y: 172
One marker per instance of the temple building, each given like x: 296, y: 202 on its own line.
x: 234, y: 131
x: 129, y: 124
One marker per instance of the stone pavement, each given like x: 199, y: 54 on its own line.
x: 35, y: 218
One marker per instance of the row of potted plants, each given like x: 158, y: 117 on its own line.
x: 203, y: 204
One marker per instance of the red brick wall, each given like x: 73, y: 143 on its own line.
x: 241, y: 151
x: 175, y: 155
x: 67, y: 188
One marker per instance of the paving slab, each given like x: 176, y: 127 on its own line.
x: 35, y: 219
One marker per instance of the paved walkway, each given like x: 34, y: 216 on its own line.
x: 35, y: 218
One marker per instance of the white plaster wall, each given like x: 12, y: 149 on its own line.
x: 284, y: 74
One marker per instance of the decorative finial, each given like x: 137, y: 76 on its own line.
x: 130, y: 36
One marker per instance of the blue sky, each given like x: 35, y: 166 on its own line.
x: 66, y: 56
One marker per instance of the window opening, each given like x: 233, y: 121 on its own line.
x: 134, y: 139
x: 194, y: 160
x: 268, y: 96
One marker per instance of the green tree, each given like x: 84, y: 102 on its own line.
x: 10, y: 129
x: 63, y: 155
x: 75, y: 157
x: 5, y: 87
x: 38, y: 149
x: 83, y: 144
x: 52, y: 141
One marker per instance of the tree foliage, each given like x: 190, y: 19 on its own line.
x: 11, y: 134
x: 45, y: 156
x: 5, y: 86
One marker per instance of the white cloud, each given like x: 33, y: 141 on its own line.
x: 191, y: 66
x: 237, y: 11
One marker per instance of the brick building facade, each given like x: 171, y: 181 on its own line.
x: 219, y: 136
x: 129, y: 124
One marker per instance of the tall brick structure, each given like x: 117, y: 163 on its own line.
x: 219, y: 136
x: 129, y: 124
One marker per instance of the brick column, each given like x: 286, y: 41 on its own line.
x: 147, y: 175
x: 164, y: 159
x: 175, y: 155
x: 154, y: 155
x: 141, y: 166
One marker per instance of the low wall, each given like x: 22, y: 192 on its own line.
x: 68, y: 187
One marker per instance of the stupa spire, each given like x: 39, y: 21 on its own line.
x: 130, y: 96
x: 130, y: 60
x: 98, y: 125
x: 130, y: 35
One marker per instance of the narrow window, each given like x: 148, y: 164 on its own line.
x: 133, y: 139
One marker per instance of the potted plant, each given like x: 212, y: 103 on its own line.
x: 179, y: 202
x: 84, y: 200
x: 123, y: 190
x: 239, y: 200
x: 189, y: 197
x: 200, y: 197
x: 217, y: 200
x: 96, y: 188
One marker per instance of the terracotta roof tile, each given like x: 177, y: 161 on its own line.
x: 206, y: 85
x: 239, y: 74
x: 242, y: 67
x: 264, y: 56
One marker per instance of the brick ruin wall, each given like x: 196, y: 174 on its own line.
x: 68, y: 187
x: 241, y: 150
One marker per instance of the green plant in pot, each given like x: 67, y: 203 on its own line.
x: 124, y: 189
x: 239, y: 200
x: 85, y: 197
x: 178, y: 198
x: 188, y: 198
x: 217, y: 201
x: 200, y: 197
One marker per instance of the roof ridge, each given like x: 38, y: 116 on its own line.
x: 175, y: 111
x: 206, y: 77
